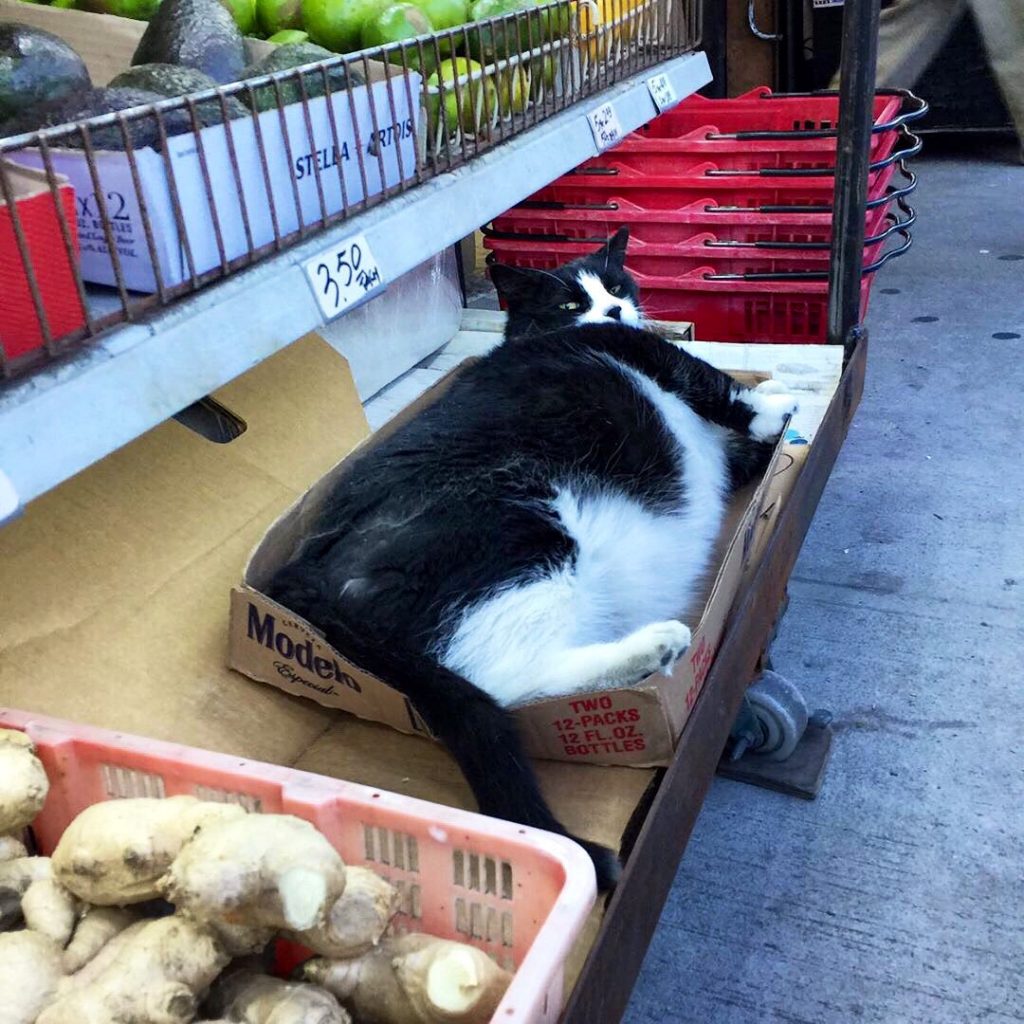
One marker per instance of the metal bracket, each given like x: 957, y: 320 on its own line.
x: 768, y: 37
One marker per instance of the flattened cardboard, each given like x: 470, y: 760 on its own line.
x: 636, y: 725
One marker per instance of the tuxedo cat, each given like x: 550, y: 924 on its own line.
x: 536, y: 531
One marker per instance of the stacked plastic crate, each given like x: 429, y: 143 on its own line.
x: 729, y: 206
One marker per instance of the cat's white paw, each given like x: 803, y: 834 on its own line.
x: 655, y: 648
x: 770, y: 406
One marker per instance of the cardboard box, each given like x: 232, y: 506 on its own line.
x: 113, y: 607
x: 367, y: 134
x: 636, y: 725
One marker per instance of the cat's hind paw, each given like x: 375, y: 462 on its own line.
x: 771, y: 403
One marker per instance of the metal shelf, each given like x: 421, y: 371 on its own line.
x: 54, y: 424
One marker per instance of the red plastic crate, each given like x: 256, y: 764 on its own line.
x: 762, y: 131
x: 20, y: 329
x: 597, y: 222
x: 519, y: 894
x: 610, y: 182
x: 728, y: 310
x: 672, y: 259
x: 691, y: 154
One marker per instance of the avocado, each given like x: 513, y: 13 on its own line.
x: 91, y: 103
x: 199, y: 34
x: 174, y: 80
x: 294, y: 55
x: 36, y: 66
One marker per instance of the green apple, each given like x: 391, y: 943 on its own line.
x: 493, y: 42
x: 542, y: 77
x: 514, y: 89
x: 338, y: 24
x: 444, y: 15
x: 140, y: 10
x: 395, y: 23
x: 476, y: 91
x: 244, y: 13
x: 274, y: 16
x: 288, y: 36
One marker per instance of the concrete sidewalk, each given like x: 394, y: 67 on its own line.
x: 898, y: 896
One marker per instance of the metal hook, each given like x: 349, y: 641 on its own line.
x: 768, y: 37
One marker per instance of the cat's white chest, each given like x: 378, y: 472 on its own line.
x: 636, y: 566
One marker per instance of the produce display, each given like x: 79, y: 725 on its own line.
x: 165, y: 911
x: 191, y: 45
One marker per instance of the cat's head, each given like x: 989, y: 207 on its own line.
x: 589, y: 290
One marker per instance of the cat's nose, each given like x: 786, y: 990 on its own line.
x: 615, y: 312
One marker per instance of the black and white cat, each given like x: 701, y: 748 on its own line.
x: 536, y: 531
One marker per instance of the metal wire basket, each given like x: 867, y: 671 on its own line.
x: 174, y: 195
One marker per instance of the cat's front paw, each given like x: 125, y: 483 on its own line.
x: 655, y: 648
x: 771, y: 403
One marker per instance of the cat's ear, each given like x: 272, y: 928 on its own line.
x: 513, y: 282
x: 613, y: 252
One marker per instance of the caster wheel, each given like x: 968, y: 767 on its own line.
x: 781, y: 715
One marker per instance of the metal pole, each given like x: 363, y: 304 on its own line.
x: 856, y: 94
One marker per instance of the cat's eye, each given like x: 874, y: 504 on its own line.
x: 616, y: 289
x: 569, y: 307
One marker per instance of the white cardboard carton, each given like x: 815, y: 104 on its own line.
x: 295, y: 153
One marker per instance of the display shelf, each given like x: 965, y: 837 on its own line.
x: 64, y: 418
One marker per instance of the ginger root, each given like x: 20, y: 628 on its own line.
x: 101, y: 961
x: 356, y: 921
x: 414, y: 979
x: 20, y: 873
x: 273, y: 870
x: 159, y: 976
x: 23, y: 782
x: 248, y: 997
x: 11, y: 848
x: 96, y: 928
x: 29, y: 973
x: 242, y: 939
x: 115, y: 852
x: 49, y: 909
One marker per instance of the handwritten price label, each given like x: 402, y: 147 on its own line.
x: 604, y: 123
x: 662, y: 92
x: 344, y: 276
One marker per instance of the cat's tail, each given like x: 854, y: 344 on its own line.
x: 480, y: 734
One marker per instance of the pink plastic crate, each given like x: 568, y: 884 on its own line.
x: 520, y: 894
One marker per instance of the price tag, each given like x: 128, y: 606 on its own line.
x: 344, y: 276
x: 662, y: 92
x: 604, y: 123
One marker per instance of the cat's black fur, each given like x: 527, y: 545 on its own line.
x: 453, y: 504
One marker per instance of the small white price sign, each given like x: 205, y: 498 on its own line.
x: 343, y: 276
x: 662, y: 92
x: 604, y: 123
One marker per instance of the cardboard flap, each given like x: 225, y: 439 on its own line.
x: 26, y: 182
x: 114, y: 610
x: 106, y: 43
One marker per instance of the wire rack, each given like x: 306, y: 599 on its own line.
x: 106, y: 218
